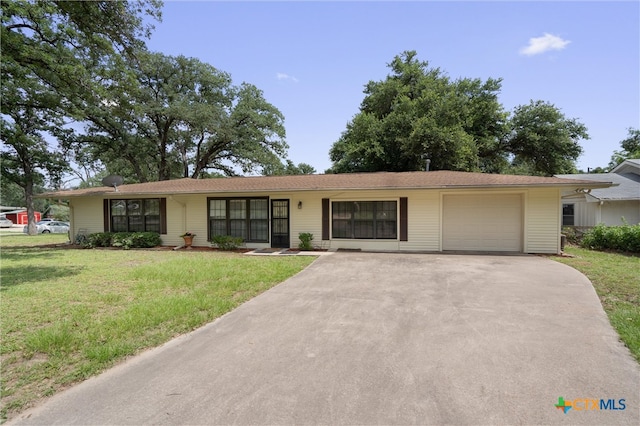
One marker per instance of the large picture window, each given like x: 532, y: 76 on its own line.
x: 247, y: 218
x: 136, y: 215
x: 364, y: 219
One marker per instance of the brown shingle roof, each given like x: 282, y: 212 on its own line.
x: 379, y: 180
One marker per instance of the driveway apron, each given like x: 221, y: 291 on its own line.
x: 384, y: 338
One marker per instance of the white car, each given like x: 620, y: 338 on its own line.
x: 50, y: 226
x: 5, y: 223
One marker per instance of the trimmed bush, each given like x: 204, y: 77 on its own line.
x: 125, y: 240
x: 623, y: 238
x: 305, y: 241
x: 227, y: 242
x: 99, y: 239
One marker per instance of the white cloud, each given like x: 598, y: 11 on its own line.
x: 547, y: 42
x: 283, y: 76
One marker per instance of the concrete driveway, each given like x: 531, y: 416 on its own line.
x: 363, y: 338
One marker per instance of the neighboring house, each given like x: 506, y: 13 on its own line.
x: 19, y: 216
x: 415, y: 211
x: 615, y: 205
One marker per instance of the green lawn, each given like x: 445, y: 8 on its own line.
x: 67, y: 314
x: 616, y: 279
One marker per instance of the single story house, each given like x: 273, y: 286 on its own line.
x: 421, y: 211
x: 612, y: 206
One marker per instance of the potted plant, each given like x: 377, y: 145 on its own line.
x: 188, y: 239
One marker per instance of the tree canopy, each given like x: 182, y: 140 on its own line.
x: 543, y: 140
x: 288, y: 168
x: 165, y: 117
x: 49, y: 52
x: 630, y: 148
x: 80, y: 87
x: 419, y: 113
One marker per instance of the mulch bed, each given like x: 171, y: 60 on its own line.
x: 67, y: 246
x: 202, y: 248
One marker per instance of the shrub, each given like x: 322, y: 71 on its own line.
x: 573, y: 236
x: 227, y: 242
x: 126, y: 240
x: 623, y: 238
x: 305, y: 241
x: 99, y: 239
x: 122, y: 239
x: 82, y: 240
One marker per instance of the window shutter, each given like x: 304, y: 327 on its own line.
x: 106, y: 215
x: 325, y: 218
x: 404, y: 228
x: 163, y: 215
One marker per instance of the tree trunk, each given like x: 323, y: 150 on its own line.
x: 31, y: 217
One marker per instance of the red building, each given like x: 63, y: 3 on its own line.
x: 20, y: 218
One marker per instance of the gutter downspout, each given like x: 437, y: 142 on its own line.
x: 184, y: 219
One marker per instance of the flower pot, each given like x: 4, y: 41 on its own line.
x: 188, y: 241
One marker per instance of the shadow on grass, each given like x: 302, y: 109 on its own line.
x: 28, y: 253
x: 16, y: 275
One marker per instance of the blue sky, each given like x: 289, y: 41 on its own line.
x: 312, y: 59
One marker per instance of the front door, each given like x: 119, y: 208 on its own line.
x: 280, y: 223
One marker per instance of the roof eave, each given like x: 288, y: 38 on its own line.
x: 113, y: 194
x: 596, y: 199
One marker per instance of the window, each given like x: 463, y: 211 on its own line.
x: 568, y: 214
x: 138, y: 215
x: 364, y: 219
x: 247, y: 218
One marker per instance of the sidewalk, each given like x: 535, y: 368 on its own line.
x: 286, y: 252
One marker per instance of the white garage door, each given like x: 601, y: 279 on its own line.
x: 482, y: 222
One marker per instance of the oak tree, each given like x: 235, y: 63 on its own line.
x: 50, y: 52
x: 543, y: 141
x: 166, y: 117
x: 418, y: 112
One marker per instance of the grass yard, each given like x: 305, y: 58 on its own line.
x: 616, y: 279
x: 68, y: 314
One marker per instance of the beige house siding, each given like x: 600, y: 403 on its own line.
x: 424, y: 221
x: 86, y: 214
x: 541, y: 217
x: 186, y: 213
x: 306, y: 219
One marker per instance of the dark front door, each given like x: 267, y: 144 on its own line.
x: 280, y: 223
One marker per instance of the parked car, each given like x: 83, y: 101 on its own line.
x: 50, y: 226
x: 5, y: 223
